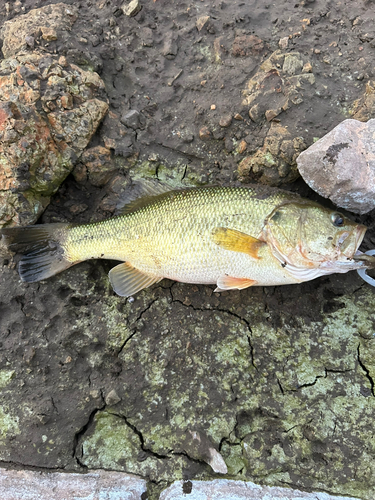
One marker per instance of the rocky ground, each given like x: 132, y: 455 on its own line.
x: 272, y: 385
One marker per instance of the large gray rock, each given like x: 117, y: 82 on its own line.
x: 27, y: 485
x: 223, y: 489
x: 341, y: 166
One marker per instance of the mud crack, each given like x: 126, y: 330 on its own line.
x: 366, y: 370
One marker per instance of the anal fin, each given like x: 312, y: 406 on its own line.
x: 230, y: 283
x: 126, y: 280
x: 236, y: 241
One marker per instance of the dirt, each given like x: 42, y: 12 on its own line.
x: 279, y: 380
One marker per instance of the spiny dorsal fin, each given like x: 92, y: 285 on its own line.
x: 140, y: 194
x: 236, y: 241
x: 230, y: 283
x: 126, y: 280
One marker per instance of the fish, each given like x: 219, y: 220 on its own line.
x: 232, y: 237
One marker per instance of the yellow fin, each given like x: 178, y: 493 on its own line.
x: 229, y: 283
x: 234, y: 240
x: 127, y: 280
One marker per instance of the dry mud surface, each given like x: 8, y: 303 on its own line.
x: 279, y: 380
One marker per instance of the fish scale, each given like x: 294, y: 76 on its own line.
x: 172, y: 236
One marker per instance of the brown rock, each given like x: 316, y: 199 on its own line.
x: 204, y: 133
x: 99, y: 166
x: 39, y: 150
x: 225, y: 121
x: 364, y: 108
x: 341, y: 166
x: 247, y: 45
x: 201, y: 21
x: 275, y: 163
x: 56, y: 18
x: 48, y: 34
x: 241, y: 148
x: 279, y: 81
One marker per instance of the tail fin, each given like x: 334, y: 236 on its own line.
x: 43, y: 253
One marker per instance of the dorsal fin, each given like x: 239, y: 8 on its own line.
x: 140, y: 194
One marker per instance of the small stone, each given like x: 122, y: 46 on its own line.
x: 201, y: 21
x: 204, y: 133
x: 247, y: 45
x: 109, y: 143
x: 307, y: 68
x: 30, y: 40
x: 112, y: 398
x: 132, y: 8
x: 271, y: 114
x: 170, y: 47
x: 213, y: 106
x: 62, y: 61
x: 283, y: 42
x: 131, y: 119
x: 203, y: 82
x: 48, y: 34
x: 341, y: 166
x: 225, y: 121
x: 241, y: 148
x: 238, y: 117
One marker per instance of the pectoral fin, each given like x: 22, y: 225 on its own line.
x: 234, y: 240
x: 127, y: 280
x: 229, y: 283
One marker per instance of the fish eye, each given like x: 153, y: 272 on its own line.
x: 337, y: 219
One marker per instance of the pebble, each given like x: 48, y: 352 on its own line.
x: 204, y: 133
x: 112, y: 398
x: 283, y: 42
x: 241, y: 148
x: 132, y: 8
x: 341, y: 166
x: 201, y: 21
x: 131, y: 119
x: 225, y: 121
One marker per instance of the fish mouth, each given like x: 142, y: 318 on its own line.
x: 347, y: 246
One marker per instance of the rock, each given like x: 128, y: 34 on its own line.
x: 54, y: 21
x: 48, y: 34
x: 283, y: 42
x: 131, y: 119
x: 222, y: 489
x: 341, y: 166
x: 112, y: 398
x: 280, y: 80
x: 204, y: 133
x: 39, y: 148
x: 225, y: 121
x: 275, y: 162
x: 15, y: 484
x: 201, y: 21
x: 170, y: 47
x: 99, y: 166
x: 364, y: 108
x: 247, y: 45
x: 197, y: 445
x: 132, y: 8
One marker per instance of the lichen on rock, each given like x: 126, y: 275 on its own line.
x: 277, y: 85
x: 39, y: 148
x: 274, y: 163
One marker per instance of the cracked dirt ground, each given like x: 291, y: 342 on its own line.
x: 279, y: 380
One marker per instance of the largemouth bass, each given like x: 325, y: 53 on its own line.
x: 234, y: 237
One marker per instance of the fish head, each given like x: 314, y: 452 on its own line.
x: 305, y: 236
